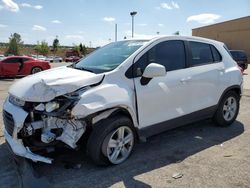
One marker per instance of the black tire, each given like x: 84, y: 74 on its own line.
x: 99, y: 134
x: 36, y: 70
x: 219, y: 117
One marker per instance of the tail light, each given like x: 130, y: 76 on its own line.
x: 241, y: 69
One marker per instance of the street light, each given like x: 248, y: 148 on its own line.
x: 132, y: 14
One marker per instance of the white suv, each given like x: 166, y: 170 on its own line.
x: 125, y: 91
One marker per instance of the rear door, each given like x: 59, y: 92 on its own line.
x: 206, y: 70
x: 10, y: 66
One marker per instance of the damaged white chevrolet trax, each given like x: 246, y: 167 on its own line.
x: 122, y: 92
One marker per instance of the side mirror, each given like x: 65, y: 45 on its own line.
x: 151, y: 71
x: 154, y: 70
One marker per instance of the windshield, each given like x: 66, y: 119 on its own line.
x: 109, y: 57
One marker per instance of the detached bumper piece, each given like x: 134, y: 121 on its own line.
x: 19, y: 149
x: 12, y: 123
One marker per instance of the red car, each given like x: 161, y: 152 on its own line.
x: 72, y: 59
x: 21, y: 66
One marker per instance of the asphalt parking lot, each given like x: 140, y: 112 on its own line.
x: 202, y: 154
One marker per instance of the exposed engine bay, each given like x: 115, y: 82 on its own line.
x: 51, y: 129
x: 49, y: 123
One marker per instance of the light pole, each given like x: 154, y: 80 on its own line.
x: 132, y: 14
x: 115, y: 32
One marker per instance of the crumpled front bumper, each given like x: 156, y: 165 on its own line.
x: 16, y: 144
x: 18, y: 149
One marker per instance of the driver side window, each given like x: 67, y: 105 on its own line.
x: 170, y: 54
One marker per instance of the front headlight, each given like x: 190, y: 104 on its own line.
x: 16, y: 101
x: 51, y: 106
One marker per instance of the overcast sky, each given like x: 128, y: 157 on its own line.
x: 75, y: 21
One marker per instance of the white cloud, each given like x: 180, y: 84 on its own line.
x: 10, y: 5
x: 38, y: 7
x: 3, y: 26
x: 142, y: 24
x: 81, y: 32
x: 1, y: 7
x: 166, y: 6
x: 38, y: 28
x: 205, y: 18
x: 161, y: 25
x: 108, y: 19
x: 56, y: 21
x: 175, y: 5
x: 74, y: 37
x: 25, y: 5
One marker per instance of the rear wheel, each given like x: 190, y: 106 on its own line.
x: 111, y: 141
x: 228, y: 109
x: 36, y: 70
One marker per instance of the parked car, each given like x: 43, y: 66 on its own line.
x: 72, y: 59
x: 123, y: 91
x: 21, y: 66
x: 2, y: 56
x: 54, y: 59
x: 240, y: 57
x: 41, y: 57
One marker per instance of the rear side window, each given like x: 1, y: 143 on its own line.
x: 200, y: 53
x: 170, y: 54
x: 216, y: 54
x: 242, y: 55
x: 25, y: 59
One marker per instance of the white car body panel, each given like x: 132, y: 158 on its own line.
x: 178, y: 93
x: 46, y: 85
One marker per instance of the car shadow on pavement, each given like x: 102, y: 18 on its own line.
x: 161, y: 150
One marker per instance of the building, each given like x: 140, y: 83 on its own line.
x: 234, y: 33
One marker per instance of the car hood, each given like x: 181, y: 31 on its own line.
x: 46, y: 85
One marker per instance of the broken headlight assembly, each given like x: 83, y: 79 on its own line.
x: 61, y: 105
x: 52, y: 121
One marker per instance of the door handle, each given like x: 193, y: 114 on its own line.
x: 183, y: 80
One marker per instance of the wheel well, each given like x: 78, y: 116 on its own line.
x: 117, y: 112
x: 235, y: 88
x: 121, y: 111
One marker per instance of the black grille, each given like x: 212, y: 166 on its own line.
x: 8, y: 122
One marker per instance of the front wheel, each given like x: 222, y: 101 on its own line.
x: 111, y: 141
x: 228, y: 109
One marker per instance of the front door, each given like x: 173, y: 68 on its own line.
x: 166, y: 97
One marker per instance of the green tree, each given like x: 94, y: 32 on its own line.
x: 76, y: 48
x: 55, y: 45
x: 82, y: 49
x: 15, y: 42
x: 42, y: 48
x: 177, y: 33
